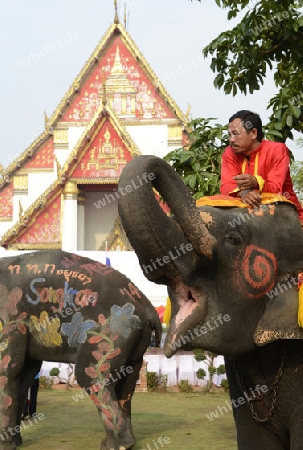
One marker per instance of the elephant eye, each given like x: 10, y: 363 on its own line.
x: 232, y: 238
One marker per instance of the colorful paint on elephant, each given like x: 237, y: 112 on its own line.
x: 256, y: 271
x: 10, y: 320
x: 45, y: 331
x: 76, y: 330
x: 62, y: 296
x: 79, y: 311
x: 120, y: 323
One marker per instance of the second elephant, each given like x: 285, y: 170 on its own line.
x: 58, y: 306
x: 233, y: 282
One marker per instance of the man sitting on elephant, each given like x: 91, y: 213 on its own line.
x: 251, y: 165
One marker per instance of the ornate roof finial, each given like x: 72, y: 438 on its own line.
x: 187, y: 118
x: 20, y: 210
x: 104, y: 99
x: 46, y: 120
x: 58, y: 166
x: 125, y: 15
x: 116, y: 20
x: 1, y: 172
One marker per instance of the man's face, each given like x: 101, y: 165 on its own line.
x: 242, y: 140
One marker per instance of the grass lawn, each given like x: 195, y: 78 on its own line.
x: 178, y: 417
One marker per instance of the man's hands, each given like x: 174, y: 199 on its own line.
x: 251, y: 197
x: 246, y: 181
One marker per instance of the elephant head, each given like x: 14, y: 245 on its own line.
x: 232, y: 276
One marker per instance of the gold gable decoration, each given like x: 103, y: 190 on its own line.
x: 21, y: 183
x: 115, y: 29
x: 175, y: 135
x: 111, y: 156
x: 116, y: 239
x: 61, y: 138
x: 117, y: 82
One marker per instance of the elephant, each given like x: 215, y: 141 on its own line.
x: 232, y: 278
x: 62, y: 307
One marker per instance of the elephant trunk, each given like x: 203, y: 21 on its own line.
x: 166, y: 246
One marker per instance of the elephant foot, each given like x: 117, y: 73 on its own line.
x: 8, y: 446
x: 18, y: 439
x: 12, y: 445
x: 111, y: 445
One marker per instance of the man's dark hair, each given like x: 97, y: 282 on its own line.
x: 250, y: 120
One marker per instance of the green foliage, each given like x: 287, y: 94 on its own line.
x: 208, y: 358
x: 224, y: 384
x: 212, y: 370
x: 199, y: 355
x: 201, y: 374
x: 162, y: 383
x: 199, y: 162
x: 296, y: 170
x: 54, y: 372
x: 45, y: 383
x: 221, y: 369
x: 267, y: 40
x: 184, y: 386
x: 156, y: 383
x: 152, y: 381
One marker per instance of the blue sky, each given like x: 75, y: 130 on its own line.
x: 45, y: 43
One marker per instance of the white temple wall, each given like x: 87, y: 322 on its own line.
x: 38, y: 183
x: 4, y: 225
x: 101, y: 210
x: 150, y: 139
x: 74, y: 134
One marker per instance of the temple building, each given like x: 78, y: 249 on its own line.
x: 61, y: 192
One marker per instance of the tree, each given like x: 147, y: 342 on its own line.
x: 198, y: 163
x: 296, y: 170
x: 208, y: 358
x: 267, y: 40
x: 297, y: 178
x: 55, y: 372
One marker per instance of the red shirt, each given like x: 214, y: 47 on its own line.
x: 269, y: 163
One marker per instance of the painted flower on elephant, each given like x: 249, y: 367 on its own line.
x: 3, y: 345
x: 45, y: 330
x: 120, y: 323
x: 76, y: 330
x: 5, y: 362
x: 6, y: 402
x: 4, y: 421
x: 122, y: 320
x: 3, y: 381
x: 9, y: 301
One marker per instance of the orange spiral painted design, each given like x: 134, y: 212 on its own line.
x: 256, y: 270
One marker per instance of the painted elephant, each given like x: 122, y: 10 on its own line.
x: 232, y: 279
x: 58, y: 306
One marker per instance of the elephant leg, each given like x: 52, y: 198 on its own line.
x: 125, y: 389
x: 9, y: 399
x: 252, y: 435
x: 30, y: 370
x: 112, y: 396
x: 11, y: 366
x: 296, y: 428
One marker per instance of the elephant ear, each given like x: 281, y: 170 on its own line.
x: 280, y: 318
